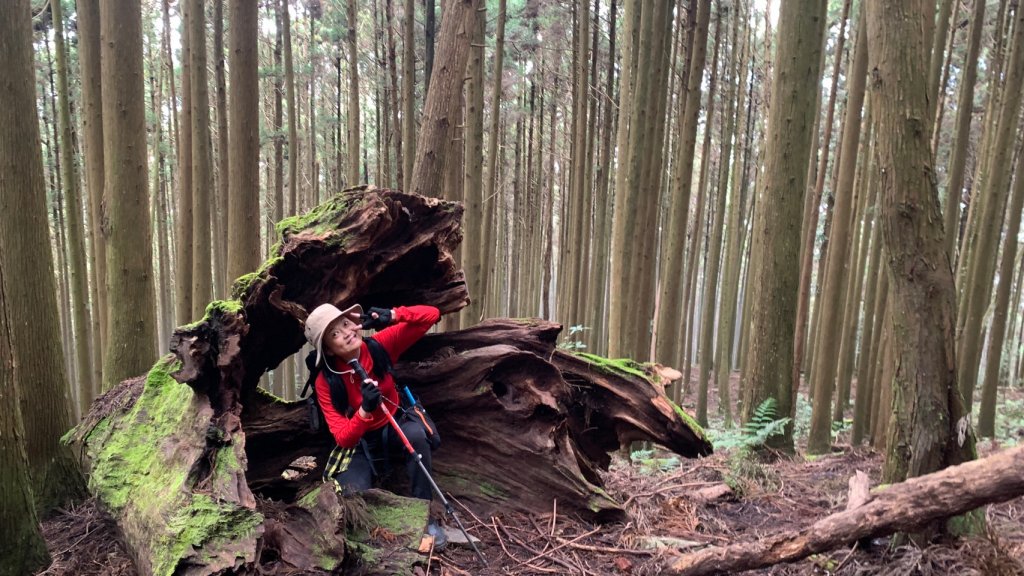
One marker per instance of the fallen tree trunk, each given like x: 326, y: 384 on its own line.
x: 196, y: 476
x: 901, y: 507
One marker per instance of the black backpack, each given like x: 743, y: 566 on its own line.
x: 382, y: 366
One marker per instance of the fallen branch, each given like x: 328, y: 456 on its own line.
x: 902, y: 507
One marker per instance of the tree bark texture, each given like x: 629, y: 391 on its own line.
x: 965, y: 111
x: 88, y: 14
x: 777, y: 227
x: 243, y: 185
x: 202, y: 166
x: 353, y: 98
x: 408, y: 93
x: 472, y: 173
x: 928, y: 430
x: 1000, y: 308
x: 185, y: 241
x: 994, y: 187
x: 131, y: 348
x: 441, y: 109
x: 75, y: 229
x: 901, y: 507
x: 293, y: 120
x: 28, y: 305
x: 812, y: 213
x: 826, y: 354
x: 219, y: 193
x: 523, y: 422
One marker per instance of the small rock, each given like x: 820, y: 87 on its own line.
x: 456, y: 537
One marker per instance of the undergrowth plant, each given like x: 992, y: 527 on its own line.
x: 571, y: 340
x: 745, y: 469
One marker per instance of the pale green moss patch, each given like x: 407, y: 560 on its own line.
x: 219, y: 307
x: 400, y: 515
x: 319, y: 219
x: 690, y: 422
x: 968, y: 524
x: 140, y: 465
x: 203, y: 523
x: 132, y: 464
x: 240, y: 287
x: 619, y: 366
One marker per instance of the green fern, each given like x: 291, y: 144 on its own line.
x: 763, y: 425
x: 755, y: 433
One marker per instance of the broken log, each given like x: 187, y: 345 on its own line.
x: 902, y: 507
x: 195, y: 475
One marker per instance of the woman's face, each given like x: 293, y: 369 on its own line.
x: 342, y: 338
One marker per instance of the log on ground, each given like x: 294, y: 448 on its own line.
x: 901, y: 507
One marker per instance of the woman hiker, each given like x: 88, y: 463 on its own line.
x: 352, y: 408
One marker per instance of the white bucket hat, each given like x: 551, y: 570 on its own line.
x: 318, y: 321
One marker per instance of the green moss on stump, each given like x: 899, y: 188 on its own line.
x: 618, y: 366
x: 204, y: 523
x: 140, y: 465
x: 216, y: 307
x: 323, y: 217
x: 690, y: 422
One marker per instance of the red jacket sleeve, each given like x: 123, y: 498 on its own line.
x: 346, y: 431
x: 410, y: 324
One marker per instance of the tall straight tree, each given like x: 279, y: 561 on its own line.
x: 617, y: 271
x: 670, y: 315
x: 129, y: 255
x: 711, y: 275
x: 597, y: 318
x: 574, y: 249
x: 965, y: 111
x: 428, y: 44
x: 777, y: 225
x: 293, y: 120
x: 994, y: 188
x: 202, y: 169
x: 92, y: 127
x: 491, y: 200
x: 353, y: 98
x: 75, y: 230
x: 219, y: 206
x: 831, y: 306
x: 442, y: 103
x: 927, y: 430
x: 185, y: 241
x: 472, y: 176
x: 1000, y: 312
x: 29, y: 293
x: 243, y: 185
x: 408, y: 93
x: 396, y: 126
x: 624, y: 334
x: 812, y: 203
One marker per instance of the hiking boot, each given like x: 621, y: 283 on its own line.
x: 435, y: 529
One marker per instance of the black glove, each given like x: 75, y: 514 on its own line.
x: 377, y: 318
x: 371, y: 397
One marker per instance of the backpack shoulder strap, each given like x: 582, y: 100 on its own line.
x: 313, y: 371
x: 381, y: 358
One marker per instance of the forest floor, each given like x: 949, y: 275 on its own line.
x: 659, y: 491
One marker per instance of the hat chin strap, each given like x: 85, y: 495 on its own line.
x: 327, y: 362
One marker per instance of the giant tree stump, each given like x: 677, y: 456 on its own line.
x: 196, y: 476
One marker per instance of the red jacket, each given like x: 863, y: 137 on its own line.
x: 410, y: 324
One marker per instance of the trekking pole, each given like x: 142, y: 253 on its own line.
x: 354, y: 363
